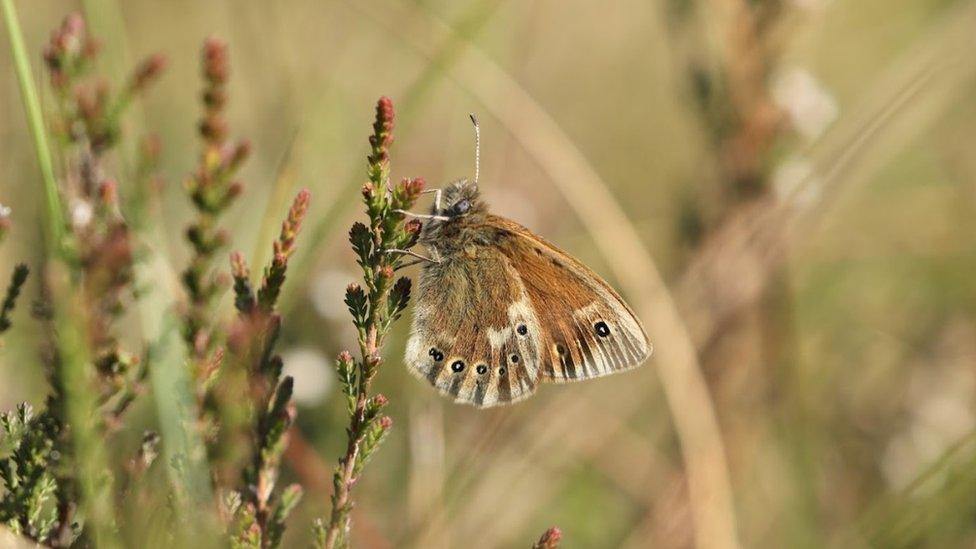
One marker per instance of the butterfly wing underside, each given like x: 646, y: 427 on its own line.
x: 589, y: 330
x: 514, y: 313
x: 466, y: 339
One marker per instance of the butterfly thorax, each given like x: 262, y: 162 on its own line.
x: 465, y: 226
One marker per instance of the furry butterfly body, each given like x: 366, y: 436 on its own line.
x: 500, y: 310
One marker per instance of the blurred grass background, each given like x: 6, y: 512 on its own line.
x: 842, y: 385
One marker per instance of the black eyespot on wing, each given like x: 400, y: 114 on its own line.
x: 602, y: 329
x: 481, y: 369
x: 522, y: 329
x: 561, y: 349
x: 457, y: 366
x: 436, y: 354
x: 514, y: 358
x: 501, y: 371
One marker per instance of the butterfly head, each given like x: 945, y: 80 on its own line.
x: 462, y: 198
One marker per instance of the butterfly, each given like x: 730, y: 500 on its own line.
x: 500, y: 310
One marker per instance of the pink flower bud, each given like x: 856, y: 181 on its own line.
x: 413, y: 226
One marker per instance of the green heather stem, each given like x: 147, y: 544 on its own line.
x: 88, y: 450
x: 54, y: 221
x: 374, y: 309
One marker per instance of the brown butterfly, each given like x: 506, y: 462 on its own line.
x: 500, y: 310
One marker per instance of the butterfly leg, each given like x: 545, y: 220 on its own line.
x: 419, y: 258
x: 423, y: 216
x: 437, y: 198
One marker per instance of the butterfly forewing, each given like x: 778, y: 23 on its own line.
x: 588, y: 331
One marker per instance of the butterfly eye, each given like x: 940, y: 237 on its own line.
x: 457, y: 366
x: 602, y: 329
x: 462, y: 206
x: 522, y: 330
x: 437, y: 355
x: 481, y: 369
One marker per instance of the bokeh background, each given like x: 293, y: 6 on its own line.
x: 784, y: 189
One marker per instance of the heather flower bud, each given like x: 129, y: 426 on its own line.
x: 550, y: 539
x: 413, y: 226
x: 345, y: 356
x: 368, y: 190
x: 70, y: 38
x: 413, y: 187
x: 239, y: 154
x: 384, y: 120
x: 213, y: 128
x: 215, y: 64
x: 386, y: 422
x: 147, y: 72
x: 382, y: 136
x: 238, y: 265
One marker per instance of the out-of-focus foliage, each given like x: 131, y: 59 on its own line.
x: 836, y: 337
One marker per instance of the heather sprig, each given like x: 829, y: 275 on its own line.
x: 89, y: 110
x: 101, y: 247
x: 260, y: 517
x: 211, y: 189
x: 373, y: 306
x: 28, y: 504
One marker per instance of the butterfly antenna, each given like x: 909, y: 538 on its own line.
x: 477, y: 147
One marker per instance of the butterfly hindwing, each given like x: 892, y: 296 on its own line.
x: 471, y: 331
x: 589, y: 331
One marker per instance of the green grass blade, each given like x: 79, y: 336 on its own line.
x: 54, y: 221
